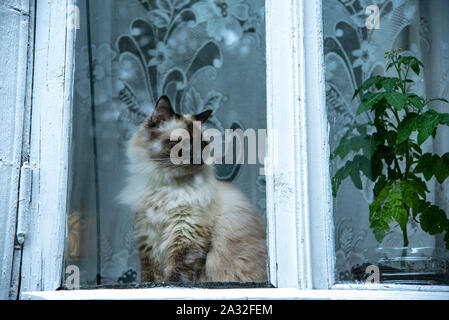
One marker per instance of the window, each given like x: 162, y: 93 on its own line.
x: 355, y: 51
x: 304, y: 241
x: 127, y: 56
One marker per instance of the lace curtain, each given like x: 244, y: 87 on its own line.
x: 353, y: 53
x: 203, y: 54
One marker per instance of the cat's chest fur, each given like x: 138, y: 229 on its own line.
x: 169, y: 210
x: 171, y: 217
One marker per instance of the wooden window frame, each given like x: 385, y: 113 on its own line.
x: 299, y: 202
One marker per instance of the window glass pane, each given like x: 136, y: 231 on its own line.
x: 203, y: 55
x: 390, y: 211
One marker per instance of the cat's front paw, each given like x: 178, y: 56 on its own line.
x: 188, y: 268
x: 173, y: 277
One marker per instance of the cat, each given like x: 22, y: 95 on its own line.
x: 188, y: 225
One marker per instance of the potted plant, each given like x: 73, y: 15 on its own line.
x: 387, y: 150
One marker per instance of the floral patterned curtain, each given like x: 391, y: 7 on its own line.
x: 203, y: 54
x: 354, y: 53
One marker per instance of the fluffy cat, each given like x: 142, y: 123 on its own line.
x: 188, y: 226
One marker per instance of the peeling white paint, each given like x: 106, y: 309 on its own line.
x: 14, y: 61
x: 50, y: 137
x: 300, y: 230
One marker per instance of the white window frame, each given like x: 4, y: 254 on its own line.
x: 16, y: 66
x: 299, y: 210
x: 43, y: 249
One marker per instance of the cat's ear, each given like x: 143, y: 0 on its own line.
x: 203, y: 116
x: 163, y: 111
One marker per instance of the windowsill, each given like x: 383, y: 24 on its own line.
x: 345, y: 293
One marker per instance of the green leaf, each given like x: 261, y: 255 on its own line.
x: 380, y: 218
x: 433, y: 220
x: 361, y: 130
x: 368, y: 101
x: 410, y: 194
x: 341, y: 174
x: 413, y: 62
x: 415, y: 68
x: 440, y: 169
x: 380, y: 184
x: 392, y: 137
x: 392, y: 203
x: 352, y: 169
x: 355, y: 144
x: 397, y: 100
x: 407, y: 126
x: 367, y: 84
x: 389, y: 83
x: 418, y: 185
x: 364, y: 165
x: 369, y: 146
x: 445, y: 158
x: 343, y: 148
x: 436, y: 99
x: 416, y: 101
x: 416, y: 64
x: 433, y: 165
x: 396, y: 194
x: 446, y: 240
x: 443, y: 118
x: 425, y: 166
x: 376, y: 167
x: 423, y: 205
x: 355, y: 177
x: 380, y: 229
x: 428, y: 121
x: 416, y: 147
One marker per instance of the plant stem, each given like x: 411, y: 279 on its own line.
x: 404, y: 250
x: 405, y: 237
x: 396, y: 162
x: 398, y: 168
x: 404, y: 89
x: 396, y: 115
x: 407, y: 155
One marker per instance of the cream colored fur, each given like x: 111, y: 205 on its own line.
x: 188, y: 210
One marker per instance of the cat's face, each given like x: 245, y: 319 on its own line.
x: 160, y: 137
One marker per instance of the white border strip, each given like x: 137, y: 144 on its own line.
x: 232, y: 294
x: 397, y: 287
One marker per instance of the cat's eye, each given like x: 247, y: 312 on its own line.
x: 172, y: 142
